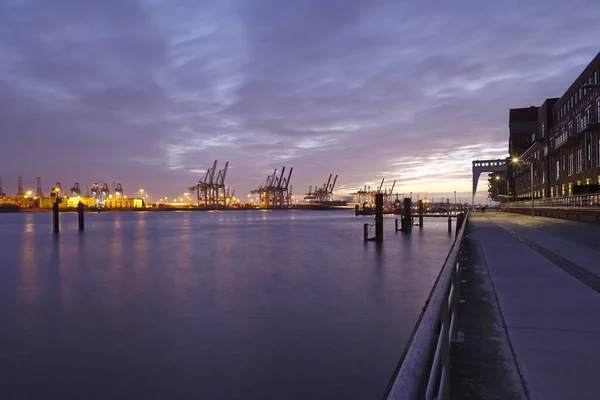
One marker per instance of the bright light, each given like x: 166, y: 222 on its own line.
x: 515, y: 159
x: 497, y: 178
x: 141, y: 190
x: 57, y: 190
x: 29, y: 192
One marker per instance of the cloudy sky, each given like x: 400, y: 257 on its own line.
x: 150, y: 93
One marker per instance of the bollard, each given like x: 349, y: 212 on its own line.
x: 366, y: 232
x: 356, y: 210
x: 55, y: 216
x: 420, y: 213
x: 396, y: 225
x: 80, y: 214
x: 449, y: 224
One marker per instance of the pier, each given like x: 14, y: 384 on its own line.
x: 528, y: 325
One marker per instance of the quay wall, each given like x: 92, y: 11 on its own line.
x: 573, y: 214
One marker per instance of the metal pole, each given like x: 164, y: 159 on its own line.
x: 532, y: 202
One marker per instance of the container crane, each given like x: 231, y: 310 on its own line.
x: 39, y: 193
x: 75, y: 190
x: 118, y: 190
x: 20, y: 191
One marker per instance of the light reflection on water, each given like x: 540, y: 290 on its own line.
x: 219, y: 305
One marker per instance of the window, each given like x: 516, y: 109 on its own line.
x: 543, y: 130
x: 589, y: 153
x: 579, y: 160
x: 571, y: 164
x: 598, y: 152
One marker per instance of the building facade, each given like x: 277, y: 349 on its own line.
x: 564, y: 147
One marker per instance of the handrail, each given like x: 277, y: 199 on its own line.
x: 424, y: 368
x: 591, y: 200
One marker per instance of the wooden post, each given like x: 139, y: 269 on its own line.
x: 356, y: 210
x: 449, y: 224
x: 366, y: 232
x: 406, y: 215
x: 379, y: 217
x: 55, y: 216
x: 80, y: 214
x: 396, y: 225
x: 420, y: 213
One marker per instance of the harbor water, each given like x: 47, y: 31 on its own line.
x: 209, y: 305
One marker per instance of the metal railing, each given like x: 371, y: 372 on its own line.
x: 591, y: 200
x: 424, y: 368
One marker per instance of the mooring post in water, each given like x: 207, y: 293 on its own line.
x: 356, y: 210
x: 80, y: 214
x: 406, y: 215
x: 396, y: 225
x: 420, y: 213
x: 449, y: 224
x: 55, y: 215
x: 379, y: 217
x: 366, y: 232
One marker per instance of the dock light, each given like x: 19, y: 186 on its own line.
x: 515, y: 159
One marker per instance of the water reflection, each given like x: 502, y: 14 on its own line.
x: 213, y: 304
x: 29, y: 223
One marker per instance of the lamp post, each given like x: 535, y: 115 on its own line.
x: 498, y: 178
x: 530, y: 165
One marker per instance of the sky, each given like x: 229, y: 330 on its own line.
x: 150, y: 93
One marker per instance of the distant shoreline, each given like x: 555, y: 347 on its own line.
x: 105, y: 210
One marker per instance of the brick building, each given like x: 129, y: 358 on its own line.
x: 563, y: 148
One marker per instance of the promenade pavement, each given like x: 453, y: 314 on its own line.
x: 530, y: 323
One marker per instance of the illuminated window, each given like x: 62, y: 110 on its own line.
x: 571, y: 164
x: 557, y: 169
x: 579, y: 160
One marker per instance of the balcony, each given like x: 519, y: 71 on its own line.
x: 565, y: 138
x: 589, y: 123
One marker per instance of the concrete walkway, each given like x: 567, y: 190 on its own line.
x: 543, y: 275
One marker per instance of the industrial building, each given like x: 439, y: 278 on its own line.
x: 98, y: 196
x: 555, y: 148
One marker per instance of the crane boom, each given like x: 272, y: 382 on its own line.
x: 224, y: 173
x: 212, y: 172
x: 393, y: 184
x: 280, y: 180
x: 327, y: 184
x: 287, y: 183
x: 380, y: 186
x: 333, y: 184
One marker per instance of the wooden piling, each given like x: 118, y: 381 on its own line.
x: 366, y: 232
x: 55, y: 223
x: 420, y: 213
x: 80, y: 215
x: 406, y: 215
x: 379, y: 217
x: 449, y: 225
x: 356, y: 209
x: 396, y: 225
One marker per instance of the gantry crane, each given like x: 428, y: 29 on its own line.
x: 275, y: 191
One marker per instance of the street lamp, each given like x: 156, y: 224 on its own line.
x: 530, y: 165
x: 499, y: 178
